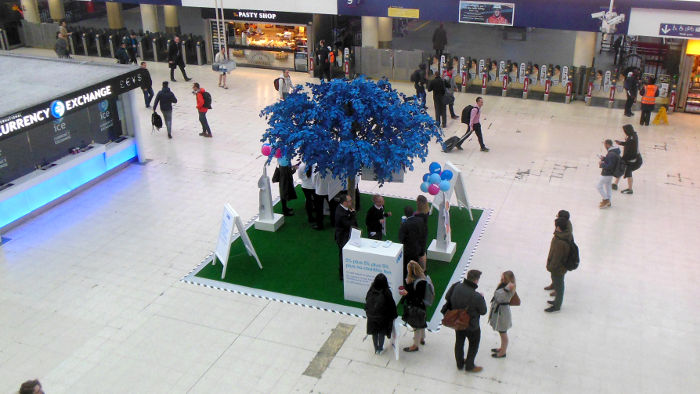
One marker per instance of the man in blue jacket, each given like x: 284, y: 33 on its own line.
x: 608, y: 164
x: 166, y: 99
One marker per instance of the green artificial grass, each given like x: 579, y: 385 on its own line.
x: 302, y: 262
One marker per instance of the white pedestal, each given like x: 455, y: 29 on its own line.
x: 362, y: 263
x: 270, y: 225
x: 441, y: 255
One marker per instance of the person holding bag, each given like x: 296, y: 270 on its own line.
x: 381, y: 312
x: 414, y: 306
x: 500, y: 318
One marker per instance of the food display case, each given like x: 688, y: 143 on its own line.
x: 692, y: 103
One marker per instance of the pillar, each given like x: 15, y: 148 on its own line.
x: 56, y: 10
x: 31, y: 11
x: 172, y: 21
x: 370, y: 33
x: 584, y: 48
x: 133, y: 100
x: 115, y: 20
x: 384, y: 28
x: 149, y: 18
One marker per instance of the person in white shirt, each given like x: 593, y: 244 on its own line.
x: 307, y: 177
x: 285, y: 84
x: 221, y: 59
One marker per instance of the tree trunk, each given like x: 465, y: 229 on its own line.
x: 351, y: 190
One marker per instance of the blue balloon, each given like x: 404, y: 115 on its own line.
x: 425, y: 177
x: 445, y: 186
x: 435, y: 179
x: 424, y: 187
x: 435, y: 167
x: 446, y: 175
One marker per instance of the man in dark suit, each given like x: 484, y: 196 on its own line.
x: 344, y: 222
x: 375, y: 218
x: 175, y: 59
x: 437, y: 86
x: 412, y: 238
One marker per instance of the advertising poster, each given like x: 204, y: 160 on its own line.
x: 104, y: 121
x: 15, y: 158
x: 55, y: 139
x: 486, y: 13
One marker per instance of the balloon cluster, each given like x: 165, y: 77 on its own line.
x: 267, y: 151
x: 436, y: 180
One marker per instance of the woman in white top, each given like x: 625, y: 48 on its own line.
x: 285, y: 84
x: 308, y: 186
x: 221, y: 59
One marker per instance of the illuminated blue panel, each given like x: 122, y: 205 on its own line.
x: 121, y: 157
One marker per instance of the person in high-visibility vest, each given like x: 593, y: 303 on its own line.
x: 649, y: 93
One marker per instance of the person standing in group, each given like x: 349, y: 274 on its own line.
x: 558, y: 253
x: 166, y: 99
x: 61, y: 47
x: 202, y: 108
x: 423, y: 211
x: 122, y: 54
x: 463, y: 295
x: 631, y: 90
x: 63, y: 29
x: 412, y: 238
x: 649, y: 94
x: 439, y: 40
x: 344, y: 222
x: 175, y: 59
x: 608, y: 164
x: 324, y: 65
x: 147, y: 85
x: 307, y: 177
x: 475, y: 123
x: 562, y: 214
x: 437, y: 86
x: 450, y: 88
x: 132, y: 47
x: 500, y: 317
x: 320, y: 199
x: 630, y: 156
x: 376, y: 218
x: 286, y: 184
x: 381, y: 312
x: 414, y: 306
x: 285, y: 84
x: 221, y: 59
x: 419, y: 80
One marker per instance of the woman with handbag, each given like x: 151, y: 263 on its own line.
x: 220, y: 63
x: 381, y: 312
x: 414, y: 307
x: 500, y: 318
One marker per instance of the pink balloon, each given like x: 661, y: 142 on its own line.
x: 433, y: 189
x: 266, y: 150
x: 278, y: 153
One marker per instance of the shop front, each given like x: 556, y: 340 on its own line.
x: 268, y: 39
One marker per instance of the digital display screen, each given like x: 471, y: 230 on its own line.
x: 104, y: 121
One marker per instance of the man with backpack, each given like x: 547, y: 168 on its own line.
x: 166, y: 99
x: 283, y: 84
x: 557, y: 259
x: 463, y: 295
x: 609, y: 165
x: 475, y: 122
x: 203, y: 105
x: 419, y: 80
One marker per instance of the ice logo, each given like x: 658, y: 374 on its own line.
x: 103, y: 105
x: 58, y: 108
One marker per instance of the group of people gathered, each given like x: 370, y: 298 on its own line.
x: 615, y: 166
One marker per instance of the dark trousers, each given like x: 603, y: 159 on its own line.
x: 420, y: 94
x: 318, y: 205
x: 332, y: 205
x: 440, y: 111
x: 341, y: 243
x: 474, y: 337
x: 132, y: 55
x: 558, y: 284
x: 477, y: 130
x: 309, y: 205
x: 168, y: 120
x: 628, y: 104
x: 439, y: 52
x: 147, y: 96
x: 646, y: 114
x: 205, y: 124
x: 182, y: 70
x: 378, y: 340
x: 325, y: 70
x: 452, y: 109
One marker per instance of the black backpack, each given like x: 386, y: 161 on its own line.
x: 207, y: 99
x: 156, y: 120
x: 572, y: 259
x: 467, y: 113
x: 620, y: 167
x: 415, y: 76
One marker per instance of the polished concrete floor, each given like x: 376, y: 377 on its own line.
x: 91, y: 299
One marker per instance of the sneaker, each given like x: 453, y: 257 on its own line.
x: 605, y: 204
x: 170, y: 137
x: 627, y: 191
x: 614, y: 186
x: 475, y: 369
x: 188, y: 79
x: 551, y: 309
x: 485, y: 149
x: 550, y: 302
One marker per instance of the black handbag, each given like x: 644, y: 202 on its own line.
x: 414, y: 316
x: 276, y: 175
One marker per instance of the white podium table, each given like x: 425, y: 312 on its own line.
x: 362, y: 263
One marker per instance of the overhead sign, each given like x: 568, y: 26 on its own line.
x: 676, y: 30
x: 400, y: 12
x: 259, y: 16
x: 486, y: 13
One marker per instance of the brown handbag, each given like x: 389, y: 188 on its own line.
x: 515, y: 300
x: 457, y: 319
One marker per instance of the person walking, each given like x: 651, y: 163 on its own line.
x: 439, y: 40
x: 344, y: 222
x: 500, y: 317
x: 122, y: 55
x: 558, y: 252
x: 175, y: 59
x: 437, y: 86
x: 631, y: 90
x: 608, y: 164
x: 630, y: 156
x: 376, y: 218
x: 380, y: 309
x: 412, y: 238
x: 285, y: 84
x: 649, y: 93
x: 166, y: 99
x: 450, y: 88
x: 147, y: 85
x: 61, y: 47
x: 63, y: 29
x: 475, y: 123
x: 463, y: 295
x: 132, y: 47
x: 221, y: 59
x: 202, y: 109
x: 307, y: 177
x: 324, y: 65
x: 419, y: 80
x: 414, y: 306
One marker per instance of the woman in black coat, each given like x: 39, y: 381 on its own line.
x: 413, y: 297
x: 286, y: 184
x: 381, y: 312
x: 630, y: 156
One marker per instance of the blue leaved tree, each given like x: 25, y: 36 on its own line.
x: 344, y: 126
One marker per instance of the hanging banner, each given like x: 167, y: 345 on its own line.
x: 486, y: 13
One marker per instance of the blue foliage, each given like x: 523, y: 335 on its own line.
x: 343, y: 126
